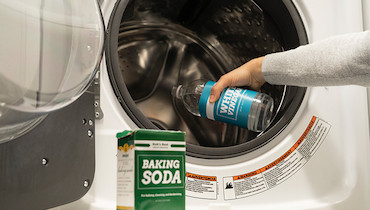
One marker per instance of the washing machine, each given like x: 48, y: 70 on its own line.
x: 315, y: 153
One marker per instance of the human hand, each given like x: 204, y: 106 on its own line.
x: 249, y: 74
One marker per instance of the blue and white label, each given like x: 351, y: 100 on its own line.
x: 232, y: 107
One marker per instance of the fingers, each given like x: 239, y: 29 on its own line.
x: 237, y: 77
x: 249, y: 74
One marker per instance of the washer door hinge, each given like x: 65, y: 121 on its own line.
x: 98, y: 112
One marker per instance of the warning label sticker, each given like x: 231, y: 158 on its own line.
x: 281, y: 169
x: 199, y: 186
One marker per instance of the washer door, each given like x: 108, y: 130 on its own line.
x: 50, y: 53
x: 153, y: 45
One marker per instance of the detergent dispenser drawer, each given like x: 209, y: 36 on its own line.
x: 153, y: 45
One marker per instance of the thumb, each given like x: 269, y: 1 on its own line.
x: 217, y: 89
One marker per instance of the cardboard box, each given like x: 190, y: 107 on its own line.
x: 151, y: 170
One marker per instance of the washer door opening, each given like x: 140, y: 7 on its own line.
x: 155, y: 45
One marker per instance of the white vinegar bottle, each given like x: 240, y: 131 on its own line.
x: 241, y: 107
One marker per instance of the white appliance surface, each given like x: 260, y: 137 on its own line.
x: 335, y: 177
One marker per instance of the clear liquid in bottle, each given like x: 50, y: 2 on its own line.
x: 236, y: 106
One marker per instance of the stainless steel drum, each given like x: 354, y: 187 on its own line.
x: 154, y: 45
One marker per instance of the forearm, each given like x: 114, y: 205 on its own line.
x: 340, y: 60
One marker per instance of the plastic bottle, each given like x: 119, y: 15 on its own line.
x: 241, y: 107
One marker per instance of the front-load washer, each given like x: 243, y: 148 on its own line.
x: 313, y: 156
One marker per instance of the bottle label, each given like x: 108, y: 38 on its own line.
x: 232, y: 107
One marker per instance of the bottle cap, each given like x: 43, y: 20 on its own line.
x: 175, y: 92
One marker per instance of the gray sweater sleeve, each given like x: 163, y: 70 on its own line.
x: 339, y: 60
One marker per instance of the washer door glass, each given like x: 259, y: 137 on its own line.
x: 160, y: 44
x: 50, y: 52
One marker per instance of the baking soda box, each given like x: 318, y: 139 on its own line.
x: 151, y: 170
